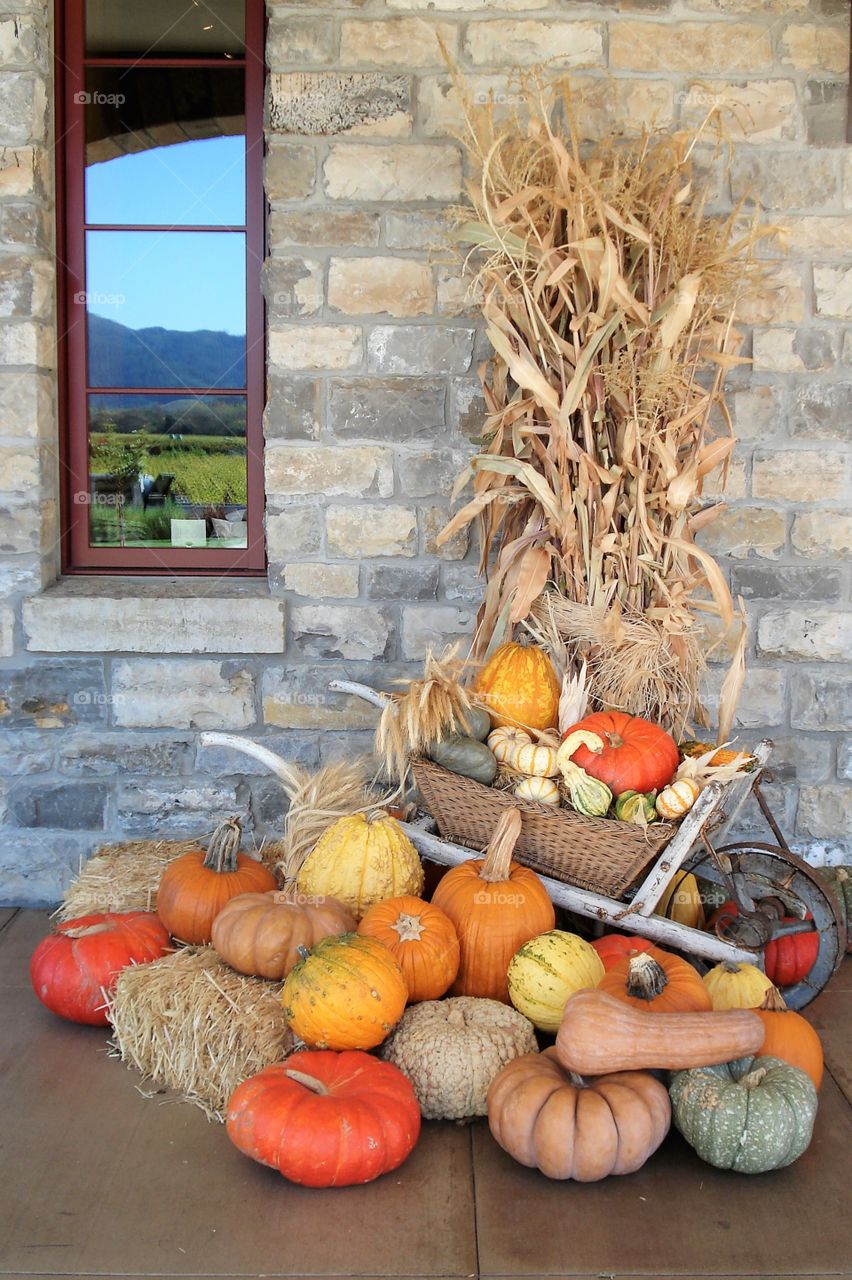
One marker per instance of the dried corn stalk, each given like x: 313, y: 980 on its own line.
x: 609, y: 299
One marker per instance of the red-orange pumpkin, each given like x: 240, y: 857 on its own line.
x: 72, y: 969
x: 326, y: 1119
x: 613, y: 947
x: 195, y: 887
x: 785, y: 960
x: 637, y: 755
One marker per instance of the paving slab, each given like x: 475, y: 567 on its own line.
x: 677, y: 1215
x: 831, y: 1015
x: 17, y: 943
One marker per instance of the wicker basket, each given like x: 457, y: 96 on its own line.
x: 601, y: 854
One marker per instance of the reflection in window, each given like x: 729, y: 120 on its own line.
x: 167, y: 471
x: 163, y: 28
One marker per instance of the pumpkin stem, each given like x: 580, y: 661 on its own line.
x: 310, y: 1082
x: 576, y: 1079
x: 754, y: 1078
x: 773, y: 1001
x: 87, y: 930
x: 409, y: 928
x: 224, y: 846
x: 498, y: 855
x: 646, y: 977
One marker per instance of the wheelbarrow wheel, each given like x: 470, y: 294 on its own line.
x: 763, y: 871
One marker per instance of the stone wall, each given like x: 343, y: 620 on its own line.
x: 373, y: 345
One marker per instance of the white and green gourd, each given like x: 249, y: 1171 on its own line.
x: 588, y: 796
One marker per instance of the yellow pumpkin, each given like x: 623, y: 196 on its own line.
x: 361, y: 860
x: 536, y: 760
x: 682, y: 901
x: 347, y: 993
x: 520, y: 687
x: 505, y: 743
x: 548, y: 969
x: 737, y: 986
x: 544, y: 790
x: 677, y: 798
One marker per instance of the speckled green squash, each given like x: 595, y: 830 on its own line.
x: 751, y: 1115
x: 840, y: 880
x: 478, y: 723
x: 466, y: 756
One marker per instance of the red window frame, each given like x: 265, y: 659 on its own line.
x: 78, y: 556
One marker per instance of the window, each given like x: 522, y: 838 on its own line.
x: 161, y: 236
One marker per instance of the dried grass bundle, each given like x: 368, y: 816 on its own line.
x: 192, y: 1024
x: 609, y: 297
x: 316, y: 801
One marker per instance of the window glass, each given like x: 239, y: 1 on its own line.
x: 167, y: 471
x: 166, y: 309
x: 165, y: 146
x: 165, y: 28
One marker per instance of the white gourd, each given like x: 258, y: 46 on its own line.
x: 544, y: 790
x: 505, y: 741
x: 677, y: 798
x: 535, y: 760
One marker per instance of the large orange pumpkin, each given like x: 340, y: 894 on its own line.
x: 637, y: 755
x: 658, y: 982
x: 196, y: 886
x: 790, y: 1037
x: 326, y: 1119
x: 348, y: 993
x: 422, y: 940
x: 74, y: 969
x: 520, y: 687
x: 496, y: 906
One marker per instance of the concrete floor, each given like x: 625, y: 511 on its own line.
x: 100, y: 1181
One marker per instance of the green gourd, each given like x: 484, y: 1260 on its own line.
x: 477, y: 723
x: 751, y: 1115
x: 466, y: 756
x: 589, y: 796
x: 840, y: 880
x: 636, y: 806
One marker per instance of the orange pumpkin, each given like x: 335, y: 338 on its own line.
x: 196, y: 886
x: 656, y: 980
x: 613, y: 947
x: 520, y: 687
x: 496, y: 906
x: 262, y: 934
x: 790, y: 1037
x: 422, y: 940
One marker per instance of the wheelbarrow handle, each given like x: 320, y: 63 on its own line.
x: 364, y: 691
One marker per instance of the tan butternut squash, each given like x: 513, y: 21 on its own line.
x: 600, y: 1034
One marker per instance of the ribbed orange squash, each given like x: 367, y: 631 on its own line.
x: 520, y: 687
x: 657, y: 981
x: 422, y: 940
x: 790, y: 1037
x: 496, y: 906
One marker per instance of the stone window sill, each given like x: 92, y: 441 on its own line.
x: 143, y: 615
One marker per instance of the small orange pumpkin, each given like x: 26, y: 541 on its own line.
x: 195, y: 887
x: 790, y: 1037
x: 260, y: 934
x: 657, y: 981
x: 422, y: 940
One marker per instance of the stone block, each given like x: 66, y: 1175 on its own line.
x: 823, y: 236
x: 823, y: 533
x: 105, y: 754
x: 323, y: 228
x: 295, y: 531
x: 397, y: 172
x: 419, y: 349
x: 183, y: 693
x: 844, y: 760
x: 63, y: 806
x: 756, y: 413
x: 801, y: 758
x: 25, y: 288
x: 24, y: 342
x: 296, y: 348
x: 821, y: 411
x: 462, y: 584
x: 821, y: 701
x: 799, y: 476
x: 324, y: 103
x: 293, y: 409
x: 360, y: 633
x: 354, y: 471
x: 289, y: 171
x: 55, y: 622
x: 298, y: 697
x: 309, y: 40
x: 786, y: 582
x: 825, y: 112
x: 395, y: 42
x: 636, y: 45
x: 322, y: 581
x: 293, y: 287
x: 468, y: 406
x: 757, y: 110
x: 779, y: 299
x: 26, y: 405
x: 24, y: 752
x: 782, y: 180
x: 19, y: 469
x: 19, y: 171
x: 22, y: 526
x: 761, y: 702
x: 22, y: 108
x: 415, y: 230
x: 429, y: 475
x: 458, y: 294
x: 402, y: 581
x: 381, y: 286
x: 7, y: 631
x: 825, y: 812
x: 53, y: 695
x: 432, y: 521
x: 833, y: 290
x: 813, y: 634
x: 524, y: 42
x: 397, y: 409
x: 793, y: 350
x: 363, y: 531
x: 432, y: 627
x: 815, y: 46
x: 175, y: 811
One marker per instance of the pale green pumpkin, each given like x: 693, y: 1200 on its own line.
x: 751, y: 1115
x: 466, y: 756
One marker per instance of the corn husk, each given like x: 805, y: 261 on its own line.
x: 190, y: 1023
x: 609, y: 297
